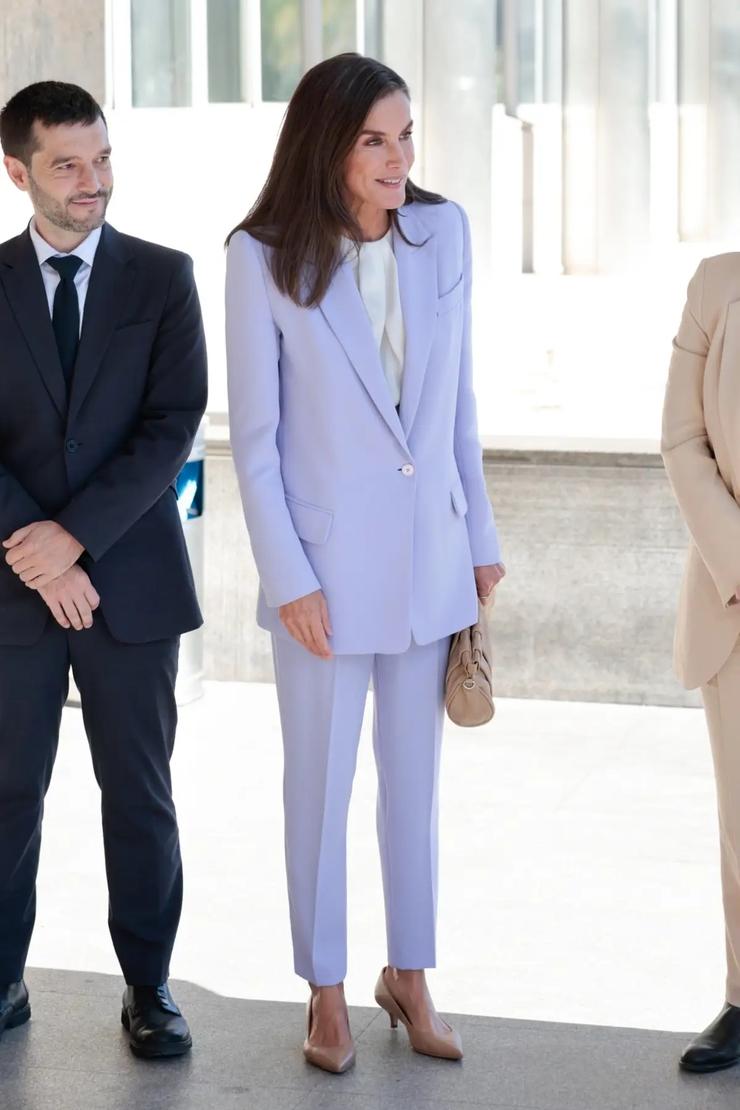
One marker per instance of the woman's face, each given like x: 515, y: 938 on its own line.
x: 377, y: 169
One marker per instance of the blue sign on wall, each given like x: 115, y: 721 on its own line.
x: 190, y: 490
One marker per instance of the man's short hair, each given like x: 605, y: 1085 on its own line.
x: 49, y: 103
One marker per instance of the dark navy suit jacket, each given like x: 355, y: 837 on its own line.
x: 103, y: 462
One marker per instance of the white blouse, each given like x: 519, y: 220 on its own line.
x: 376, y: 274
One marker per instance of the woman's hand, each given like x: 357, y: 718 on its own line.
x: 487, y: 579
x: 307, y: 620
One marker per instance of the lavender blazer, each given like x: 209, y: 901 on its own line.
x: 386, y: 512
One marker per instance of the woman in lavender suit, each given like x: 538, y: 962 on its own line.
x: 354, y: 434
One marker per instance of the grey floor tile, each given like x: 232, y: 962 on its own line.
x: 74, y: 1056
x: 51, y: 980
x: 337, y: 1100
x: 58, y: 1090
x: 238, y: 1041
x: 530, y: 1066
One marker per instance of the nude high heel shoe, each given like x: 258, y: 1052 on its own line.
x: 446, y: 1047
x: 336, y: 1060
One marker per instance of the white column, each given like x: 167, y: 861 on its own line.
x: 459, y: 93
x: 403, y: 51
x: 119, y: 80
x: 664, y: 147
x: 251, y: 52
x: 312, y: 33
x: 360, y: 26
x: 198, y: 53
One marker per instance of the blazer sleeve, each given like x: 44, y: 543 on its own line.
x: 252, y: 355
x: 129, y: 484
x: 711, y: 513
x: 484, y: 542
x: 17, y: 508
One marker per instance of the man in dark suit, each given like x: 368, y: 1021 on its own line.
x: 102, y: 388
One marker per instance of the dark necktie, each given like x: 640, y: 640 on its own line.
x: 66, y: 314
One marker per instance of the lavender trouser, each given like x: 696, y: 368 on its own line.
x: 321, y: 709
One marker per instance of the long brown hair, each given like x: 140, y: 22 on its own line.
x: 302, y: 211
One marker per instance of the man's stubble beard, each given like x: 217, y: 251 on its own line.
x: 58, y: 215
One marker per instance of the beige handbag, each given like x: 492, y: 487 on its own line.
x: 468, y: 693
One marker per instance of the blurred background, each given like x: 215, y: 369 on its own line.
x: 595, y: 144
x: 596, y: 147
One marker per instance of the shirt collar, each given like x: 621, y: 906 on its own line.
x: 44, y: 251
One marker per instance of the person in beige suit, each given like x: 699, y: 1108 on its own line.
x: 701, y: 451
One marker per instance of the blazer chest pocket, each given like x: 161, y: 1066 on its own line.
x: 311, y: 523
x: 450, y: 300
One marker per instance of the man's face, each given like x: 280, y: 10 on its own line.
x: 70, y: 179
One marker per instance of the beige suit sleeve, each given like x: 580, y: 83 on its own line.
x: 711, y: 513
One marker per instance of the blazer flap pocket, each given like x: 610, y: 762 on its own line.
x: 311, y: 523
x: 449, y: 300
x: 459, y: 500
x: 133, y: 331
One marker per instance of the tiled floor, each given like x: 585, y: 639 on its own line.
x: 579, y: 885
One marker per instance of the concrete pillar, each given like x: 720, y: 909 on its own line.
x: 459, y: 93
x: 61, y: 40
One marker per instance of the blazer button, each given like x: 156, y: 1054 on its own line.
x: 72, y: 446
x: 408, y: 470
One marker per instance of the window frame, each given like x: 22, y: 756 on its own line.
x: 118, y: 50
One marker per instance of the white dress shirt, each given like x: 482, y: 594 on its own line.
x: 376, y: 274
x: 85, y: 251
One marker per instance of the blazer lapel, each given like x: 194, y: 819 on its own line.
x: 21, y: 278
x: 110, y: 280
x: 345, y: 313
x: 417, y: 279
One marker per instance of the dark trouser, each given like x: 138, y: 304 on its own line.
x: 128, y: 706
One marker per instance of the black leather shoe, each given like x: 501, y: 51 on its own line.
x: 15, y: 1008
x: 154, y: 1023
x: 718, y: 1046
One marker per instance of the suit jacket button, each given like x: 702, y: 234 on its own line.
x: 408, y: 470
x: 72, y: 446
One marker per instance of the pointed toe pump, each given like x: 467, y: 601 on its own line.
x: 336, y: 1060
x: 447, y: 1046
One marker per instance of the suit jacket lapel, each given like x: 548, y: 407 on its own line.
x: 417, y: 279
x: 345, y: 313
x: 21, y: 278
x: 111, y: 278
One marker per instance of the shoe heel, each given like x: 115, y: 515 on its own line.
x: 20, y: 1018
x: 391, y: 1008
x: 125, y: 1021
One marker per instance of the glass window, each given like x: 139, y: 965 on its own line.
x: 281, y: 48
x: 499, y: 55
x: 607, y: 139
x: 552, y: 51
x: 527, y: 36
x: 160, y: 53
x: 529, y: 48
x: 225, y: 84
x: 340, y: 26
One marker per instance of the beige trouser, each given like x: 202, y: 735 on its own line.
x: 722, y: 705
